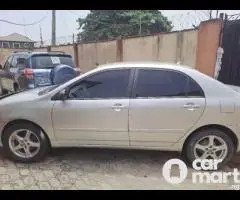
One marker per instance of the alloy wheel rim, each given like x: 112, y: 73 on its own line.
x: 211, y: 147
x: 24, y: 143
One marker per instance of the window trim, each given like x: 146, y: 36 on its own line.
x: 129, y: 87
x: 11, y: 65
x: 133, y: 93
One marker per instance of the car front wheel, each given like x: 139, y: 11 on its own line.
x: 211, y: 144
x: 25, y: 142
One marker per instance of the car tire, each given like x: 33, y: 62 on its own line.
x: 1, y: 90
x: 200, y: 143
x: 15, y: 87
x: 25, y: 142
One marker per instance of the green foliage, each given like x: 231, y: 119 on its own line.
x: 110, y: 24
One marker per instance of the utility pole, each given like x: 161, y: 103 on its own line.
x: 41, y: 39
x: 210, y: 14
x: 73, y: 38
x: 53, y: 27
x: 140, y: 23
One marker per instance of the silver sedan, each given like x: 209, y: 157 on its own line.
x: 125, y: 105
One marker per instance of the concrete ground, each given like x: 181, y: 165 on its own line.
x: 96, y: 169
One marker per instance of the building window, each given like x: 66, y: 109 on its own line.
x: 16, y: 45
x: 6, y: 45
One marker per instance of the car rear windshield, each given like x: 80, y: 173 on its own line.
x: 50, y: 61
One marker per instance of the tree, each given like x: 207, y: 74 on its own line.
x: 110, y: 24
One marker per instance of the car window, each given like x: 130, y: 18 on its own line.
x: 7, y: 63
x: 47, y: 61
x: 103, y: 85
x: 160, y: 83
x: 166, y: 83
x: 14, y: 62
x: 194, y: 90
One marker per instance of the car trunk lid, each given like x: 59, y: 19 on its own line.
x: 236, y: 88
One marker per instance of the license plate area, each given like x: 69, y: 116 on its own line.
x: 43, y: 81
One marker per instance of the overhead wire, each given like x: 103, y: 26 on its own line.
x: 30, y: 24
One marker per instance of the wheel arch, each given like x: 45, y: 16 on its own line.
x: 18, y: 121
x: 225, y: 129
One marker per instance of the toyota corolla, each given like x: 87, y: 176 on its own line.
x: 143, y: 105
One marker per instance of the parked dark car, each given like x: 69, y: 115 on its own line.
x: 27, y: 70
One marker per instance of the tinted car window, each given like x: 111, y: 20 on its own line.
x: 14, y: 61
x: 194, y: 90
x: 160, y: 83
x: 108, y: 84
x: 47, y: 61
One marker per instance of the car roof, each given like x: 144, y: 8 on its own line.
x: 146, y: 64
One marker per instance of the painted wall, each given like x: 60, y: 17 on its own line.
x: 208, y: 43
x: 170, y: 47
x: 195, y: 48
x: 4, y: 53
x: 91, y: 54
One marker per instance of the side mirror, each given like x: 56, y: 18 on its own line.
x: 63, y: 94
x: 1, y: 67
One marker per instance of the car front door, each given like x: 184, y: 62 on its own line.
x: 165, y: 105
x: 5, y: 74
x: 96, y: 111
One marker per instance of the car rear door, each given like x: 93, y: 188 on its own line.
x: 165, y: 105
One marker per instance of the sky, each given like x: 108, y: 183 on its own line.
x: 66, y: 23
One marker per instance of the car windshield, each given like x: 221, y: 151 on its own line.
x: 50, y: 61
x: 48, y: 89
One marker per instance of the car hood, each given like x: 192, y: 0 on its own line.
x: 26, y: 95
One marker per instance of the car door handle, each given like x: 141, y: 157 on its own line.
x: 115, y: 106
x: 191, y: 106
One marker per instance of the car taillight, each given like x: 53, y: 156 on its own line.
x: 28, y: 73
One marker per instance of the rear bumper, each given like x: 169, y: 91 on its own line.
x: 33, y: 84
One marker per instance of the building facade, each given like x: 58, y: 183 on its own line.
x: 16, y: 41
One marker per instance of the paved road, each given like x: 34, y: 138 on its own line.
x: 93, y: 169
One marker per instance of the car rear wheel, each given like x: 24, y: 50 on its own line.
x: 25, y: 142
x: 1, y: 90
x: 15, y: 87
x: 211, y: 144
